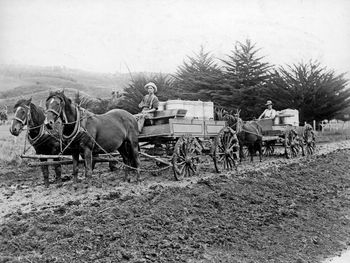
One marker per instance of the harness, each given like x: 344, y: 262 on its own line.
x: 43, y: 136
x: 79, y: 129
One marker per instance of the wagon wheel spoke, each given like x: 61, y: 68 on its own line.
x: 223, y: 150
x: 185, y: 157
x: 310, y: 147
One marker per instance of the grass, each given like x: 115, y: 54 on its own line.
x: 11, y: 147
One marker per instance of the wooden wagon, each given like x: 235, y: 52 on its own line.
x: 177, y: 138
x: 284, y: 131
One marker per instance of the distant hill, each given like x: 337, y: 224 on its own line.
x: 32, y: 81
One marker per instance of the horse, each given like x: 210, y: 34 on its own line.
x: 90, y: 134
x: 44, y: 142
x: 249, y: 134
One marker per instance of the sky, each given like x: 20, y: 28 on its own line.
x: 157, y: 35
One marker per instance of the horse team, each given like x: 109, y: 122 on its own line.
x: 83, y: 133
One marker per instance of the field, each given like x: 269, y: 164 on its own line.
x: 280, y: 210
x: 29, y: 81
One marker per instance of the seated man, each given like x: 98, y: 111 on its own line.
x: 149, y: 104
x: 268, y: 113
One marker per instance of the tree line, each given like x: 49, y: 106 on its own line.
x: 244, y: 81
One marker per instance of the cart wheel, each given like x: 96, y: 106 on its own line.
x: 225, y: 150
x: 187, y: 152
x: 269, y: 148
x: 310, y: 147
x: 292, y: 146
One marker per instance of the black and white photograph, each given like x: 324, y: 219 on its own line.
x: 194, y: 131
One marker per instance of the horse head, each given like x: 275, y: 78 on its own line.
x: 21, y: 117
x: 56, y: 108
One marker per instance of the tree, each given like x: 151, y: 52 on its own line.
x: 246, y: 76
x: 135, y: 91
x: 318, y: 93
x: 198, y: 78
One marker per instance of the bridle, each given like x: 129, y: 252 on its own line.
x: 25, y: 122
x: 27, y: 117
x: 61, y: 112
x: 61, y: 107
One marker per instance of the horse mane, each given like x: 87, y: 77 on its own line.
x: 36, y: 112
x: 21, y: 102
x: 59, y: 94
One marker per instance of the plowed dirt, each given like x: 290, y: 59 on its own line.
x: 277, y: 211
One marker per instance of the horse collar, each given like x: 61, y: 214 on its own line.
x: 34, y: 141
x: 77, y: 126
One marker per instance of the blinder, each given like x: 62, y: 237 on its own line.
x: 60, y: 111
x: 27, y: 115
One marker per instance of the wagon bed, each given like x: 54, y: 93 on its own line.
x: 173, y: 124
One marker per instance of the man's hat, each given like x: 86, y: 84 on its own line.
x: 151, y: 84
x: 269, y: 102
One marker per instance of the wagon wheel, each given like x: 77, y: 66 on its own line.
x: 292, y: 147
x: 269, y: 148
x: 310, y: 146
x: 225, y: 150
x: 187, y: 152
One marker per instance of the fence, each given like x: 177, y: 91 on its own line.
x: 336, y: 127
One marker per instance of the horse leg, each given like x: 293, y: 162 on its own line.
x: 123, y: 153
x: 75, y: 167
x: 260, y: 150
x: 93, y: 162
x: 251, y: 151
x: 241, y: 152
x: 135, y: 159
x: 58, y: 172
x: 88, y: 163
x: 45, y: 172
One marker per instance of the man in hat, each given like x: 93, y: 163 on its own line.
x: 268, y: 113
x: 149, y: 104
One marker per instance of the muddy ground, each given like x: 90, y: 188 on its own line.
x: 276, y: 211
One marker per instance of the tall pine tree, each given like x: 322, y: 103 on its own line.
x: 198, y: 78
x: 246, y: 76
x: 318, y: 93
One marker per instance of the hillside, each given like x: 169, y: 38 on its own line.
x: 32, y: 81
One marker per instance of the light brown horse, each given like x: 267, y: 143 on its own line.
x: 90, y: 134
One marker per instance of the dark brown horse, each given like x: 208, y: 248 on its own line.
x: 43, y: 141
x: 249, y: 134
x: 90, y: 134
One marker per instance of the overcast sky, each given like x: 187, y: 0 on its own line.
x: 157, y: 35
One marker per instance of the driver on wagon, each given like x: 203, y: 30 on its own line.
x: 149, y: 104
x: 268, y: 113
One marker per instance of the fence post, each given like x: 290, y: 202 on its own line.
x: 314, y: 124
